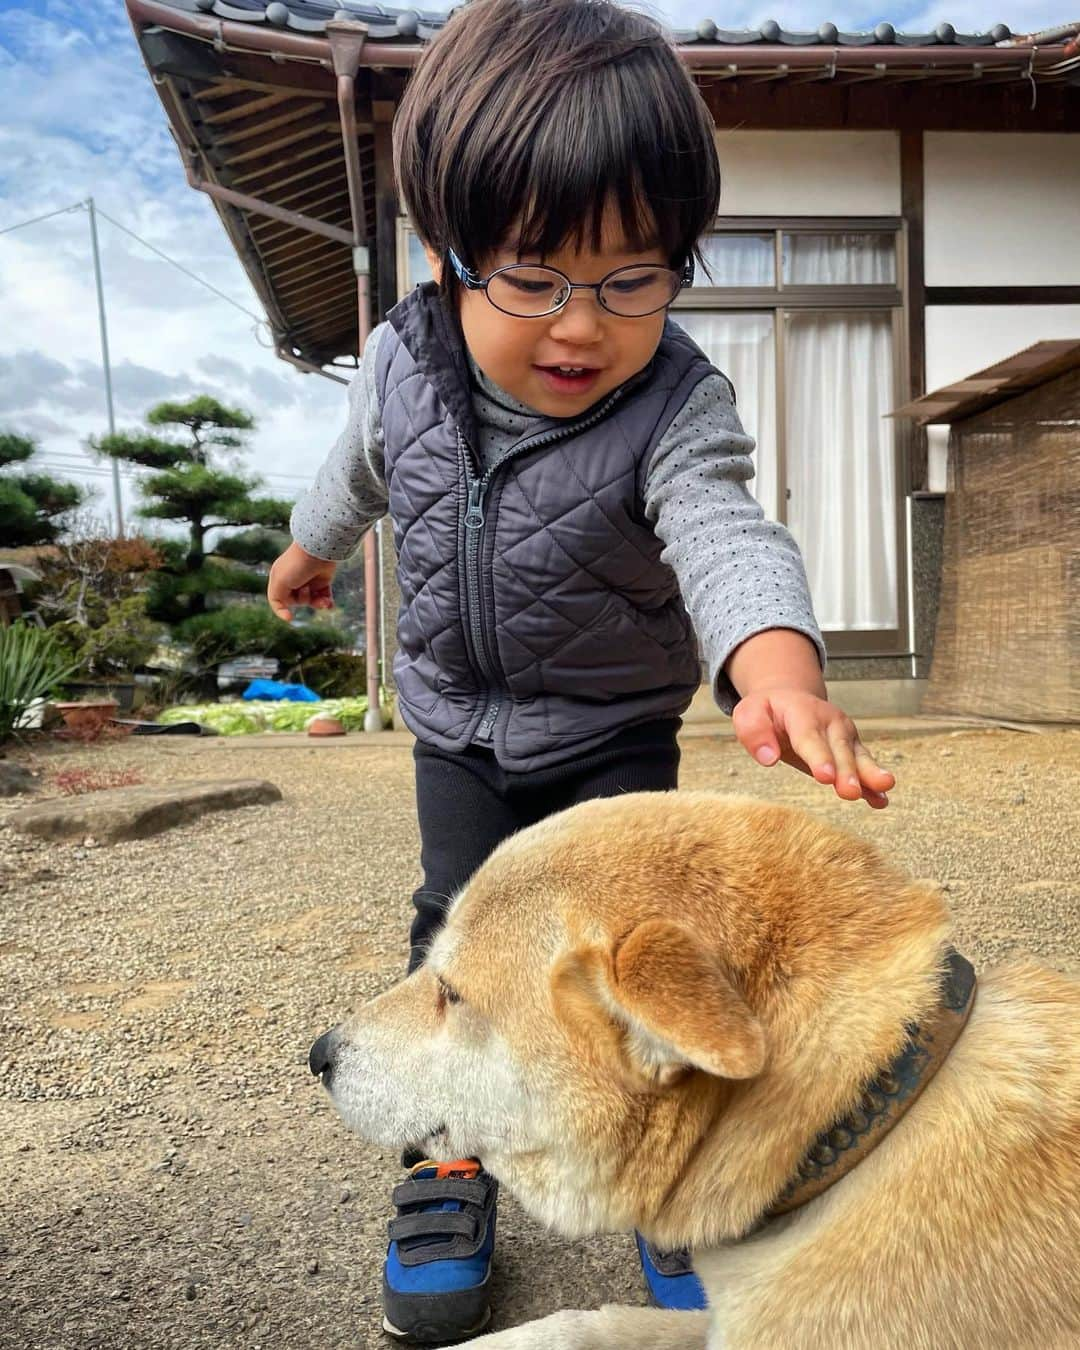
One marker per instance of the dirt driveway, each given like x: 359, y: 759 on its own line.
x: 171, y: 1176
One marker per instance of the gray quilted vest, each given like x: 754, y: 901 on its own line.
x: 536, y: 616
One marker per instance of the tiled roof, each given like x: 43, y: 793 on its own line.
x: 387, y: 25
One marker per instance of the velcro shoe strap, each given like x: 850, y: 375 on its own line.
x: 676, y: 1262
x: 443, y: 1223
x: 434, y: 1190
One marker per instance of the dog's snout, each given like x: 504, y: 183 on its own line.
x: 321, y: 1054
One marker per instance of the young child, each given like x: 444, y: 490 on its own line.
x: 566, y: 476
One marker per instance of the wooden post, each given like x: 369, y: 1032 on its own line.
x: 912, y: 206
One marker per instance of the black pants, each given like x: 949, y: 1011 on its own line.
x: 467, y: 805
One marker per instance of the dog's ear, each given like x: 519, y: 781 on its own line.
x: 677, y: 1004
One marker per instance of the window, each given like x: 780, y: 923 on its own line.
x: 805, y: 319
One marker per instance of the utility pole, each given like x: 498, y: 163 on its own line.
x: 117, y: 503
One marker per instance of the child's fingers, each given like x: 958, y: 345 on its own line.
x: 754, y: 727
x: 847, y: 783
x: 277, y: 597
x: 809, y: 743
x: 321, y: 595
x: 870, y: 771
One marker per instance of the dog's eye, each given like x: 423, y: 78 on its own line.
x: 447, y: 994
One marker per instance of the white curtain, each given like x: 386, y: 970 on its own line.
x: 839, y: 259
x: 743, y: 346
x: 842, y: 509
x: 738, y: 260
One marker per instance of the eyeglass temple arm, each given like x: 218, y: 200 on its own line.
x: 466, y: 275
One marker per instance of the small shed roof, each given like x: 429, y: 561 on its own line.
x: 1023, y: 370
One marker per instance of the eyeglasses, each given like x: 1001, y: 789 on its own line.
x: 528, y: 291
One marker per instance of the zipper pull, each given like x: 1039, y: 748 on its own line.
x: 474, y: 514
x: 486, y: 729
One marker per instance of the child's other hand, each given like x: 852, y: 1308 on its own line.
x: 299, y: 578
x: 813, y: 736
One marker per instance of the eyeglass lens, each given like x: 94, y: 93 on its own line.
x: 631, y: 292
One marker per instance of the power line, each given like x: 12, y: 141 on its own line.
x: 71, y: 459
x: 83, y: 206
x: 58, y: 460
x: 60, y: 211
x: 69, y: 467
x: 260, y: 320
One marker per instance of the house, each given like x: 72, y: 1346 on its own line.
x: 898, y: 210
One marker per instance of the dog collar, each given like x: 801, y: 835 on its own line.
x: 887, y: 1097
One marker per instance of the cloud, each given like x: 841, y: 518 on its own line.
x: 32, y: 378
x: 249, y: 384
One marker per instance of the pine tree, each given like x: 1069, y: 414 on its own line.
x: 32, y: 505
x: 186, y: 486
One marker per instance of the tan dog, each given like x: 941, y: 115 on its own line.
x: 642, y: 1012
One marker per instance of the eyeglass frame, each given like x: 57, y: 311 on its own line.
x: 472, y: 282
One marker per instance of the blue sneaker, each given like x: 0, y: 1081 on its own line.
x: 670, y: 1278
x: 435, y: 1281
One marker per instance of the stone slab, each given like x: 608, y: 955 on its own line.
x: 138, y: 812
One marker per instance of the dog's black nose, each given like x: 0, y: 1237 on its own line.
x: 320, y: 1057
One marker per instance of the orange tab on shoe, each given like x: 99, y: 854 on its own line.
x: 466, y: 1169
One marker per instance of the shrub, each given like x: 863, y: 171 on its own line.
x: 123, y: 640
x: 334, y: 674
x: 249, y: 630
x: 31, y: 666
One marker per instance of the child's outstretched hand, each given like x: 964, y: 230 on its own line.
x: 813, y: 736
x: 299, y: 578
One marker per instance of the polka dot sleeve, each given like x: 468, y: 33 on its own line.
x: 349, y: 492
x: 739, y: 573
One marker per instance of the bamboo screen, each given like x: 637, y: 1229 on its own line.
x: 1008, y: 632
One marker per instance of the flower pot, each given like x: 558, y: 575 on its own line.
x: 325, y: 726
x: 87, y: 718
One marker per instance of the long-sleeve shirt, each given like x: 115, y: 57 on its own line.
x: 738, y: 573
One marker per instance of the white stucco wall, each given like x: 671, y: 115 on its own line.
x: 809, y: 173
x: 1002, y: 209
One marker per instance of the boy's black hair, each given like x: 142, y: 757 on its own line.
x: 526, y: 119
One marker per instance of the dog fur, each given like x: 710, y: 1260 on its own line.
x: 640, y: 1014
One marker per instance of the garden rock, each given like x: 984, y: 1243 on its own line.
x: 14, y: 778
x: 137, y: 812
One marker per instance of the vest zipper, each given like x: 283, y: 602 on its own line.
x: 474, y: 524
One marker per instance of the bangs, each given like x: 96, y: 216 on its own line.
x: 547, y: 120
x: 593, y: 150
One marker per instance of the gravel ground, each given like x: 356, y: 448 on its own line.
x: 171, y: 1176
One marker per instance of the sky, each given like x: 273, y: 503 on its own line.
x: 80, y: 119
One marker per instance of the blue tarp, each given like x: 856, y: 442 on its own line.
x: 274, y: 689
